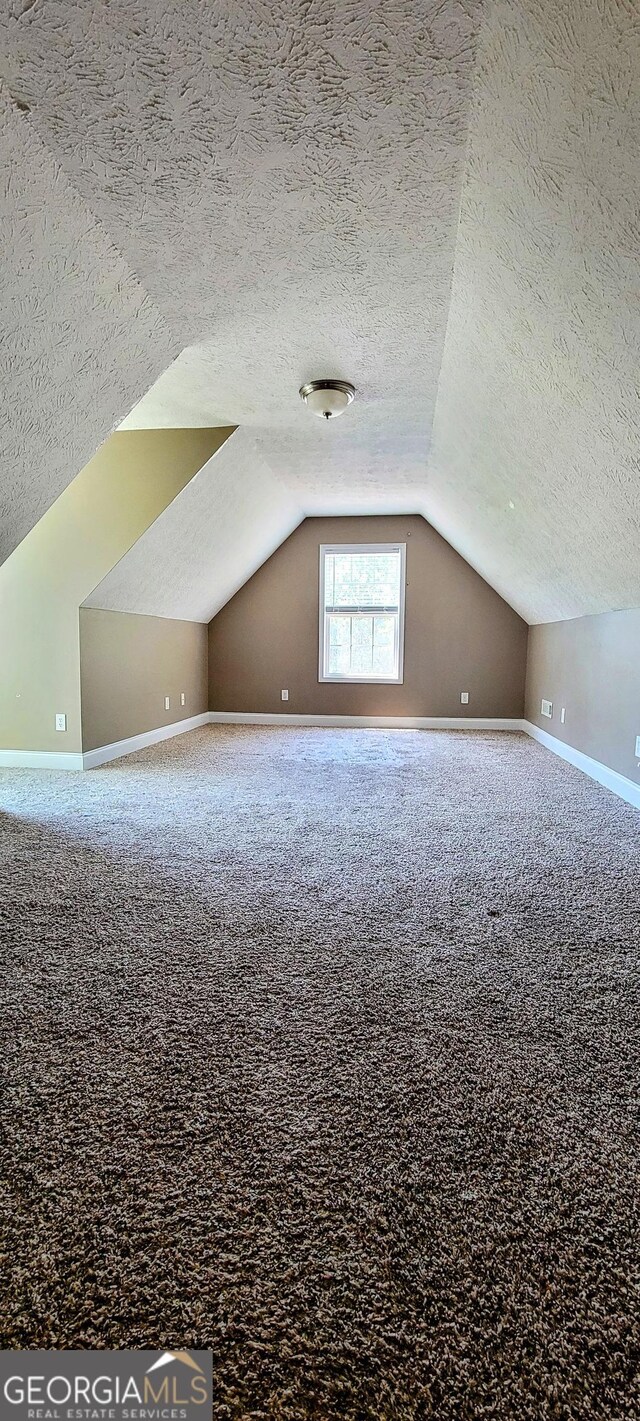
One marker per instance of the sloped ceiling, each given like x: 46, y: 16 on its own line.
x: 538, y: 397
x: 79, y: 337
x: 217, y: 532
x: 285, y: 181
x: 284, y: 188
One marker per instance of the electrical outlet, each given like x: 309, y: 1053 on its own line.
x: 61, y: 722
x: 183, y: 699
x: 167, y: 703
x: 284, y: 695
x: 546, y: 708
x: 562, y: 715
x: 464, y: 698
x: 638, y: 746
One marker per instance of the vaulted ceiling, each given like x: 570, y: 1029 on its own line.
x: 538, y: 400
x: 79, y: 335
x: 436, y: 201
x: 222, y: 527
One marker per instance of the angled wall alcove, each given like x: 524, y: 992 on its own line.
x: 100, y: 515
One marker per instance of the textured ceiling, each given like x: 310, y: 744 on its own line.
x: 284, y: 190
x: 79, y: 337
x: 538, y: 396
x: 284, y: 180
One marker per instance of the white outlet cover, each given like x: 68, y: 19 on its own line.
x: 284, y: 695
x: 464, y: 698
x: 546, y: 708
x: 166, y: 703
x: 638, y: 746
x: 61, y: 721
x: 182, y: 698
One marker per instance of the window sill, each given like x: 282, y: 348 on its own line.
x: 360, y: 680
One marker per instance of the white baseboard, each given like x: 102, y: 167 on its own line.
x: 40, y: 760
x: 65, y: 760
x: 92, y: 758
x: 368, y: 722
x: 611, y: 779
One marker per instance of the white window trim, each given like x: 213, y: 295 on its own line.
x: 363, y: 548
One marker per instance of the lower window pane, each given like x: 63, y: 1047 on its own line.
x: 383, y: 658
x: 361, y: 645
x: 339, y: 646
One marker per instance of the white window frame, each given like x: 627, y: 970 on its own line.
x: 325, y: 548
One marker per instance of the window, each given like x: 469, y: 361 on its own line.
x: 362, y: 612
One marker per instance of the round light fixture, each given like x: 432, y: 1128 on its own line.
x: 327, y: 398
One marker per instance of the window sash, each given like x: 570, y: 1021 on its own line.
x: 370, y: 616
x: 362, y: 610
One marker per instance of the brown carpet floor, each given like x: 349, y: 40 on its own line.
x: 320, y: 1050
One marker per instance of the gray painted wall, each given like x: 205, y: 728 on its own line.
x: 591, y: 666
x: 460, y: 635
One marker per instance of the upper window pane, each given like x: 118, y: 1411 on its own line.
x: 362, y: 579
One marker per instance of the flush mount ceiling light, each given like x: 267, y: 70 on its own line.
x: 327, y: 398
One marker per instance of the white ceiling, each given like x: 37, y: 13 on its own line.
x: 538, y: 399
x: 285, y: 190
x: 79, y: 337
x: 285, y: 184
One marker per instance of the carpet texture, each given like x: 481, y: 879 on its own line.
x: 320, y: 1050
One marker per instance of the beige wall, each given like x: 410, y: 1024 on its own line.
x: 95, y: 521
x: 128, y: 664
x: 591, y: 666
x: 460, y: 635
